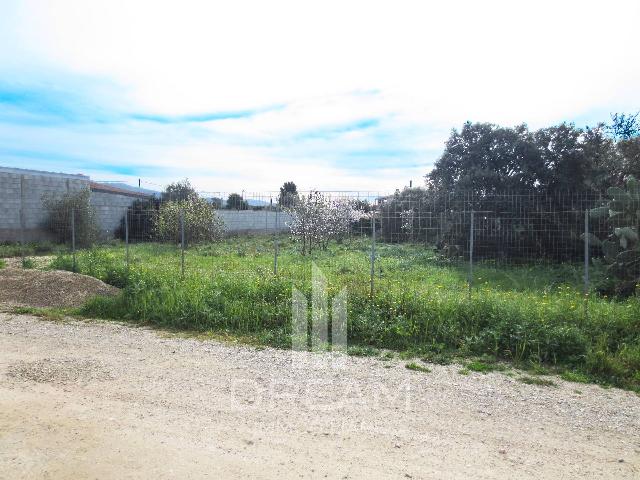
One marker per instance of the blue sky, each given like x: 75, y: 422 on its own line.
x: 332, y: 95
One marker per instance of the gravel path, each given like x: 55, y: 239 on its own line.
x: 103, y: 400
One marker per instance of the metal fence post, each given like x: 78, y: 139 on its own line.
x: 373, y: 252
x: 73, y: 237
x: 126, y: 236
x: 182, y: 242
x: 471, y: 238
x: 586, y: 263
x: 22, y: 219
x: 275, y: 245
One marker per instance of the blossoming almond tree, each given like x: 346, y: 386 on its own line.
x: 316, y: 219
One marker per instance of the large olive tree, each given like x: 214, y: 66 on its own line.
x: 199, y: 218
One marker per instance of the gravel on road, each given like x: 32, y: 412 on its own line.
x: 90, y: 399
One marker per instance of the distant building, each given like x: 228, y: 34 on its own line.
x: 22, y: 191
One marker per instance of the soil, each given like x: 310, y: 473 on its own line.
x: 41, y: 288
x: 90, y: 399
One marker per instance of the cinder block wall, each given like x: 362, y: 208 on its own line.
x: 254, y: 221
x: 110, y: 208
x: 25, y: 188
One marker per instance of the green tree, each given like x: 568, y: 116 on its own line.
x: 59, y: 217
x: 179, y: 191
x: 624, y: 126
x: 484, y: 157
x: 201, y: 222
x: 288, y: 194
x: 566, y: 166
x: 629, y: 157
x: 236, y: 202
x: 141, y: 217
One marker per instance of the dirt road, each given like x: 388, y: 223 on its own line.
x: 100, y: 400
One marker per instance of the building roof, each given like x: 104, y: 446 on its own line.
x: 26, y: 171
x: 106, y: 188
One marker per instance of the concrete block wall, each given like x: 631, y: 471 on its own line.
x: 254, y: 221
x: 109, y: 209
x: 25, y: 189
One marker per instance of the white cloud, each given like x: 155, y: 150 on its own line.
x: 418, y: 68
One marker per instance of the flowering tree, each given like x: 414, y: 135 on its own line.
x: 316, y: 219
x: 407, y: 218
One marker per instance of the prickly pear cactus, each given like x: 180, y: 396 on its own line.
x: 621, y: 249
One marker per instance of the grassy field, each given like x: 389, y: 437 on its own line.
x: 11, y: 249
x: 530, y: 315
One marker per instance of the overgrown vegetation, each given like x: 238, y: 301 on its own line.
x: 529, y: 315
x: 14, y: 249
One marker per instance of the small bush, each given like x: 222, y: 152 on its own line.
x: 481, y: 367
x: 358, y: 351
x: 576, y: 377
x: 27, y: 263
x: 417, y: 368
x: 62, y: 262
x: 542, y: 382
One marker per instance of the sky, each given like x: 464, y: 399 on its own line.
x: 333, y: 95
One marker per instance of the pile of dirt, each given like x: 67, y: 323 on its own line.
x: 36, y: 288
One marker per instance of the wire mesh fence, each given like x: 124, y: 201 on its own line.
x: 415, y: 240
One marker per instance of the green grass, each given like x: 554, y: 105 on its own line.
x: 27, y: 263
x: 55, y: 314
x: 528, y: 315
x: 13, y: 249
x: 417, y: 368
x: 2, y: 263
x: 481, y: 367
x: 576, y: 377
x: 541, y: 382
x: 362, y: 351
